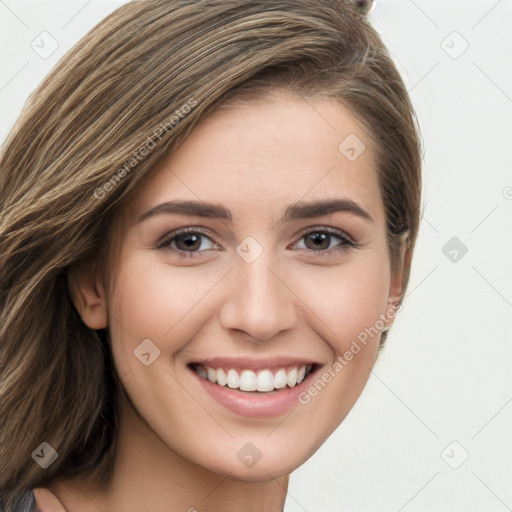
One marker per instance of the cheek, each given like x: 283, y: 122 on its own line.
x: 351, y: 313
x: 349, y: 300
x: 152, y: 301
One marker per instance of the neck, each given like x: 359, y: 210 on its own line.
x: 148, y: 475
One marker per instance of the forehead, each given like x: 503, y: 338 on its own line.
x: 261, y: 156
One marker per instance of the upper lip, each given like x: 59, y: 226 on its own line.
x: 252, y: 363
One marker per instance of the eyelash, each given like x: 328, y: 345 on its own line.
x: 345, y: 245
x: 346, y: 242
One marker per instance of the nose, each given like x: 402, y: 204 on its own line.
x: 260, y: 302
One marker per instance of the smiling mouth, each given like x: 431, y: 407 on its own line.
x: 263, y: 380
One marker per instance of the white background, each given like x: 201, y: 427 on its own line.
x: 445, y: 374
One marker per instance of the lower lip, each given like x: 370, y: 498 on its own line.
x: 255, y: 404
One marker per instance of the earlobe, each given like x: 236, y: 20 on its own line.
x: 47, y: 501
x: 404, y: 261
x: 397, y: 279
x: 88, y: 295
x: 395, y: 294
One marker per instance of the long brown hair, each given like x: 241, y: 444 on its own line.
x: 128, y: 93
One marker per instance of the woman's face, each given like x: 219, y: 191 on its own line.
x: 255, y: 253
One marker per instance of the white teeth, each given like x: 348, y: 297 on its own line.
x: 280, y: 379
x: 300, y: 374
x: 222, y: 378
x: 212, y: 374
x: 291, y: 378
x: 233, y: 379
x: 247, y: 380
x: 265, y: 381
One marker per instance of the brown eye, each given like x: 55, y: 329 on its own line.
x: 319, y: 241
x: 325, y: 241
x: 188, y: 242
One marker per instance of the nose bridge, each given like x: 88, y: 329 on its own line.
x: 260, y: 303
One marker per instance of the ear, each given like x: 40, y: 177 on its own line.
x: 395, y: 293
x: 88, y: 295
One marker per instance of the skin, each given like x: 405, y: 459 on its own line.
x: 177, y: 446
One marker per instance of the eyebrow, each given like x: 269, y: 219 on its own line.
x: 299, y: 210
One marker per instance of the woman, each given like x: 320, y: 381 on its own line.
x: 209, y: 213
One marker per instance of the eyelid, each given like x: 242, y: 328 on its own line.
x: 332, y: 231
x: 347, y: 240
x: 164, y: 243
x: 188, y: 229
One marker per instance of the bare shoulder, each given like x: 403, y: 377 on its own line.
x: 47, y: 501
